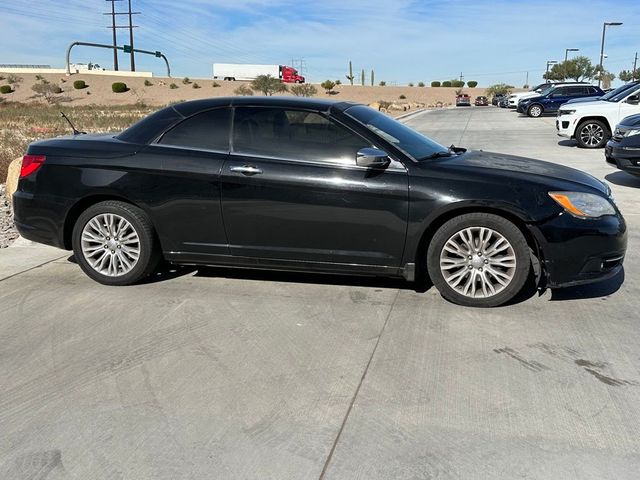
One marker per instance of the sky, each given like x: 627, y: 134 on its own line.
x: 490, y: 41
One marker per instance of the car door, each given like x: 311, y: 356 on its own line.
x: 629, y: 106
x: 188, y: 215
x: 559, y: 96
x: 291, y: 190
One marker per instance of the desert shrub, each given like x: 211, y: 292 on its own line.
x: 4, y: 89
x: 1, y: 78
x: 410, y: 84
x: 186, y: 80
x: 13, y: 79
x: 39, y: 77
x: 304, y: 90
x: 446, y: 83
x: 79, y: 84
x: 119, y: 87
x: 402, y: 97
x: 173, y: 86
x: 215, y: 84
x: 328, y: 86
x: 472, y: 84
x: 338, y: 82
x: 421, y: 84
x: 147, y: 83
x: 195, y: 85
x: 243, y: 91
x: 384, y: 104
x: 268, y: 85
x: 526, y: 86
x: 382, y: 83
x: 435, y: 84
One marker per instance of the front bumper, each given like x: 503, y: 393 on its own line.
x: 566, y: 125
x: 623, y: 159
x: 577, y: 251
x: 522, y: 107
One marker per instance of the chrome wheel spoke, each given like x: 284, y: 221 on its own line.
x: 478, y: 262
x: 110, y: 244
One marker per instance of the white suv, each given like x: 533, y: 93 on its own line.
x: 591, y: 123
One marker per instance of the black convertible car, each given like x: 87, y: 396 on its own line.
x: 310, y: 185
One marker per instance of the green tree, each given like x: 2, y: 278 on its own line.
x: 604, y: 77
x: 447, y: 83
x: 578, y: 69
x: 472, y: 84
x: 435, y: 84
x: 304, y: 90
x: 268, y: 85
x: 629, y: 75
x: 328, y: 86
x: 499, y: 89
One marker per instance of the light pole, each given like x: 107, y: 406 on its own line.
x: 567, y: 50
x: 549, y: 62
x: 604, y: 29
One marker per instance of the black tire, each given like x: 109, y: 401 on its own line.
x: 149, y: 254
x: 586, y: 134
x: 500, y: 225
x: 536, y: 110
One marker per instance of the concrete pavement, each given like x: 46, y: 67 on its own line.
x: 237, y: 374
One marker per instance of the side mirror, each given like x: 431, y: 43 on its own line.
x: 634, y: 99
x: 372, y: 158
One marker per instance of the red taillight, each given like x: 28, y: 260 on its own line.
x: 31, y: 163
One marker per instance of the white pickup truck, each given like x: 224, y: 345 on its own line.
x: 592, y: 123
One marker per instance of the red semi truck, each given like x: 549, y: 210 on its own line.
x: 243, y: 71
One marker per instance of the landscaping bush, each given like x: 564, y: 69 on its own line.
x: 457, y: 83
x: 119, y: 87
x: 79, y: 84
x: 186, y: 80
x: 215, y: 84
x: 243, y: 90
x: 4, y: 89
x: 410, y: 84
x: 433, y: 84
x: 338, y: 82
x: 402, y: 97
x: 147, y: 83
x: 304, y: 90
x: 383, y: 83
x: 446, y: 83
x: 268, y: 85
x: 13, y: 79
x: 421, y: 84
x: 173, y: 86
x: 328, y: 86
x: 195, y: 85
x: 472, y: 84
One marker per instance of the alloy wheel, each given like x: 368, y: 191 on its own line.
x: 592, y: 134
x: 110, y: 244
x: 535, y: 111
x: 478, y: 262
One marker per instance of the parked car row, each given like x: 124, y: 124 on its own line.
x: 463, y: 100
x: 589, y: 115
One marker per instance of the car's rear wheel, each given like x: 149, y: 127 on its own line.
x: 535, y: 110
x: 114, y: 243
x: 478, y: 260
x: 592, y: 134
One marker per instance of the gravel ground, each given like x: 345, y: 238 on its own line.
x: 8, y: 232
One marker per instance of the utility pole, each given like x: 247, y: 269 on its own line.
x: 127, y: 48
x: 114, y: 28
x: 526, y: 82
x: 133, y: 60
x: 635, y: 62
x: 461, y: 77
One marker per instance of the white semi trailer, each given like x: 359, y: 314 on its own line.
x: 243, y: 71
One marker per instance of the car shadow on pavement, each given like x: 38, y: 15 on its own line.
x: 623, y: 179
x: 568, y: 143
x: 591, y: 290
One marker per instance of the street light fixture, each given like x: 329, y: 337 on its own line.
x: 549, y: 62
x: 567, y: 50
x: 604, y: 29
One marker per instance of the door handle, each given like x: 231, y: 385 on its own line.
x: 246, y: 170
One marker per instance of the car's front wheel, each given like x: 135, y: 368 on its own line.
x: 114, y: 243
x: 478, y: 260
x: 592, y: 134
x: 535, y: 110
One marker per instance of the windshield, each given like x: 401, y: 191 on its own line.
x: 405, y: 139
x: 620, y: 92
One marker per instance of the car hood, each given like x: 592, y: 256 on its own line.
x: 583, y: 100
x: 594, y: 103
x: 631, y: 121
x: 530, y: 170
x: 522, y: 95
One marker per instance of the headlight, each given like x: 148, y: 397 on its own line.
x: 631, y: 133
x: 567, y: 112
x: 583, y: 205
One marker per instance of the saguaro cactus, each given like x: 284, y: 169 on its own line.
x: 362, y: 78
x: 350, y: 76
x: 372, y: 78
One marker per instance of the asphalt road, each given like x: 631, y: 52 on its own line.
x: 229, y: 374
